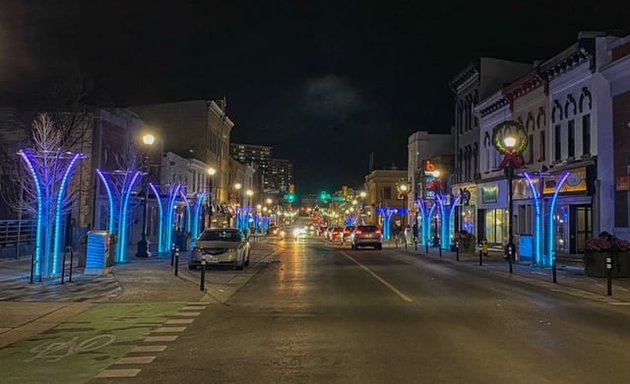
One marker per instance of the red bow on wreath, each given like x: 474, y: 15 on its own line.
x: 513, y: 158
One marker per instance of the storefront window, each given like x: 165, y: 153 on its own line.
x: 561, y: 222
x: 496, y: 226
x: 468, y: 219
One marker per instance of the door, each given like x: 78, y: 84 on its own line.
x: 581, y: 222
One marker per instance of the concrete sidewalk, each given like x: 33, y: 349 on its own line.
x: 569, y: 274
x: 30, y: 309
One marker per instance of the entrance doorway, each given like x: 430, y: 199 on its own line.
x: 581, y: 221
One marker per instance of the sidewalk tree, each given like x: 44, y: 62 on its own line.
x: 47, y: 169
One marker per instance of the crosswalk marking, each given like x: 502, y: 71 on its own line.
x: 194, y: 308
x: 154, y: 339
x: 179, y: 321
x: 169, y: 329
x: 136, y: 360
x: 119, y: 373
x: 187, y: 313
x: 149, y: 348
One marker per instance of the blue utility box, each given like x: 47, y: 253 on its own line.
x: 99, y: 256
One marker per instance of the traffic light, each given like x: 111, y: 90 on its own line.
x: 290, y: 197
x: 324, y: 197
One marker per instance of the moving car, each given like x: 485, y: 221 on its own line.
x: 346, y: 234
x: 335, y: 233
x: 367, y: 236
x: 221, y: 246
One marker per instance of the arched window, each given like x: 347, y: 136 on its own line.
x: 529, y: 124
x: 570, y: 106
x: 541, y: 119
x: 556, y: 112
x: 586, y: 95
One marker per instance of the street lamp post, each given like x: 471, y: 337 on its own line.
x: 510, y: 139
x: 142, y: 249
x: 211, y: 172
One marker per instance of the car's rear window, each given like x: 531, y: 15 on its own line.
x: 367, y: 228
x: 349, y: 228
x: 214, y: 235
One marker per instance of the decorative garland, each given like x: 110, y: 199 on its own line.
x: 514, y: 127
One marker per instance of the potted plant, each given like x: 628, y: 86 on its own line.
x: 621, y: 258
x: 465, y: 240
x: 607, y: 246
x: 597, y: 250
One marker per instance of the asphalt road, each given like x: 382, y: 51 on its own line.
x: 329, y: 315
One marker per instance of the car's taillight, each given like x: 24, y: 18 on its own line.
x: 378, y: 232
x: 359, y: 232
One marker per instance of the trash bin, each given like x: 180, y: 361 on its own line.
x: 99, y: 257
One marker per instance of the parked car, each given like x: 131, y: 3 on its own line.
x: 346, y: 234
x: 367, y: 236
x: 221, y: 246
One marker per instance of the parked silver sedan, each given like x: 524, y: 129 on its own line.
x: 220, y: 246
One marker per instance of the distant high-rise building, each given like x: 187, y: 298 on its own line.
x: 259, y: 154
x: 280, y: 176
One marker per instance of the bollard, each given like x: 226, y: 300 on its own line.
x: 172, y: 254
x: 440, y: 248
x: 554, y: 273
x: 63, y: 267
x: 426, y: 244
x: 480, y: 257
x: 71, y: 262
x: 415, y: 244
x: 202, y: 284
x: 32, y: 267
x: 176, y: 260
x: 457, y: 250
x: 609, y: 275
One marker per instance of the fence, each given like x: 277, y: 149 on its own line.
x: 14, y: 232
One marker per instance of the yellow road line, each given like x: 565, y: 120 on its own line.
x: 380, y: 279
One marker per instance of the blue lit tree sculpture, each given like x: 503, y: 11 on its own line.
x: 196, y: 219
x: 538, y: 231
x: 51, y: 169
x: 119, y: 185
x: 166, y: 196
x: 448, y: 220
x: 426, y: 213
x: 386, y: 214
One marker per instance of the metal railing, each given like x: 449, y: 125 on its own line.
x: 14, y: 232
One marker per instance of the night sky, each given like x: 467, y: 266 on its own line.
x: 324, y: 82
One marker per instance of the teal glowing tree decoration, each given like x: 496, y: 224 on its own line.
x: 386, y: 214
x: 538, y: 237
x: 46, y: 195
x: 426, y: 213
x: 166, y: 196
x: 447, y: 222
x: 196, y: 219
x: 119, y: 186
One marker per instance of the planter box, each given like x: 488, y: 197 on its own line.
x: 595, y: 264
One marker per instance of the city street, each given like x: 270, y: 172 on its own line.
x: 326, y: 314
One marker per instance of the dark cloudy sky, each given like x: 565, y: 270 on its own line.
x: 324, y: 82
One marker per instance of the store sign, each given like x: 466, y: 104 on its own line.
x: 490, y: 194
x: 576, y: 182
x: 623, y: 183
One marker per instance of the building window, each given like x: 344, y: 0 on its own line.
x: 586, y: 134
x: 387, y: 193
x: 571, y: 138
x: 530, y: 149
x: 557, y: 143
x: 542, y: 146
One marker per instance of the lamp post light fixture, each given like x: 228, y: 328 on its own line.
x: 403, y: 189
x: 510, y: 139
x: 142, y: 248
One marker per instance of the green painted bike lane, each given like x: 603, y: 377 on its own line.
x: 77, y: 350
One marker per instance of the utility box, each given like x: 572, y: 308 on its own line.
x: 99, y: 256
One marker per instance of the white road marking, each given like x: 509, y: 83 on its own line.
x: 187, y: 313
x: 380, y: 279
x: 154, y: 339
x: 119, y: 373
x: 620, y: 304
x: 194, y: 308
x: 179, y: 321
x: 169, y: 329
x: 136, y: 360
x: 149, y: 348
